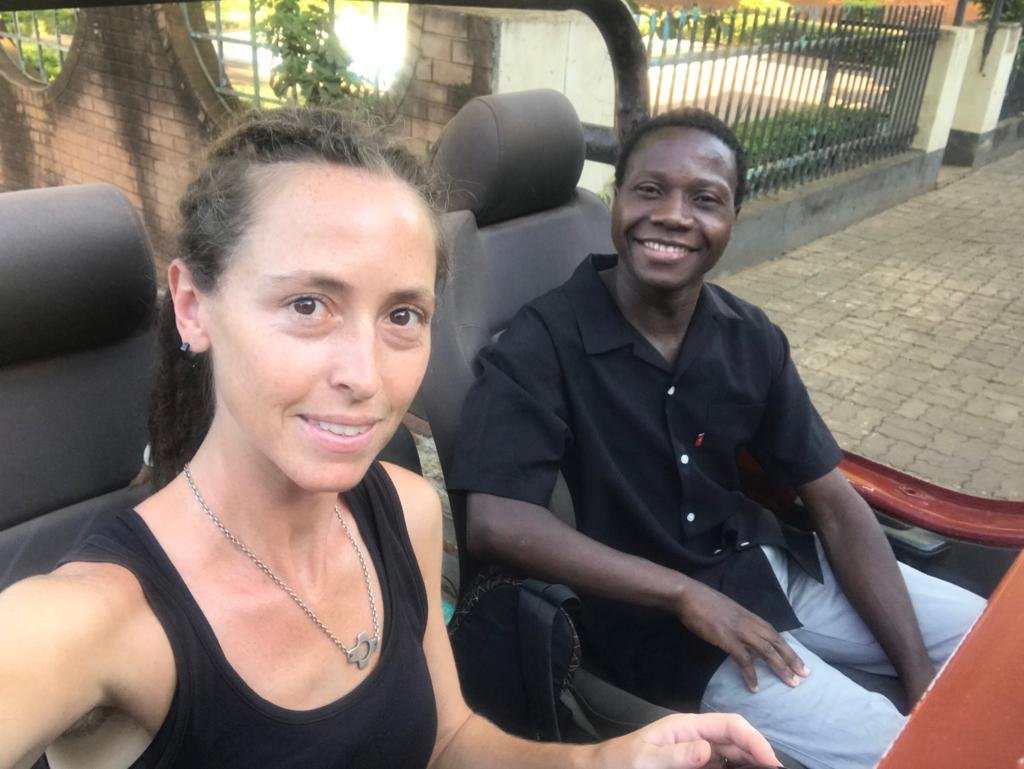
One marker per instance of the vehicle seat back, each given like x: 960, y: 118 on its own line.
x: 77, y: 297
x: 517, y: 226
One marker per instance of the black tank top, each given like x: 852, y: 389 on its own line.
x: 215, y: 721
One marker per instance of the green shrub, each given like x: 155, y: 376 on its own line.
x: 49, y: 25
x: 1013, y: 10
x: 51, y: 62
x: 796, y: 132
x: 314, y: 66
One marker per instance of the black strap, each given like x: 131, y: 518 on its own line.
x: 539, y: 605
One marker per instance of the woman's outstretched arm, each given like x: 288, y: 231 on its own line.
x: 468, y: 741
x: 70, y: 643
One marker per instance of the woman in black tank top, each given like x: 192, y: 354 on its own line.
x: 276, y: 602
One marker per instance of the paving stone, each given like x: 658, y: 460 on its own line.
x: 912, y: 409
x: 1011, y: 488
x: 875, y: 444
x: 956, y: 465
x: 876, y: 397
x: 1014, y: 437
x: 975, y: 450
x: 900, y: 455
x: 919, y: 325
x: 943, y: 395
x: 999, y: 411
x: 1010, y: 454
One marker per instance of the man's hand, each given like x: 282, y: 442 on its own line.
x: 686, y: 740
x: 741, y: 634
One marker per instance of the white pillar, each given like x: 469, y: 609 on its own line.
x: 942, y: 91
x: 981, y: 95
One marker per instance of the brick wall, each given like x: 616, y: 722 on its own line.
x: 451, y: 56
x: 122, y: 111
x: 134, y: 108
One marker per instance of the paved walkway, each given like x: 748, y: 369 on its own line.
x: 908, y: 329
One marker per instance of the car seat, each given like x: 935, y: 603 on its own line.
x: 77, y: 298
x: 516, y: 226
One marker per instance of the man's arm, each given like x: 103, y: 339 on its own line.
x: 532, y: 540
x: 866, y: 569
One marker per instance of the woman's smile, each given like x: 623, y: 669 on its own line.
x: 336, y: 435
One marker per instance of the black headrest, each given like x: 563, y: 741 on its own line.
x: 512, y: 154
x: 76, y: 271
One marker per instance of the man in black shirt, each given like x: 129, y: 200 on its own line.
x: 640, y: 383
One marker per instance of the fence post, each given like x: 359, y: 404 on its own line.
x: 942, y: 90
x: 981, y: 97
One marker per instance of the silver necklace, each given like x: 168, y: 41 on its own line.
x: 365, y: 645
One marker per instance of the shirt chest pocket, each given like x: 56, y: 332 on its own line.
x: 730, y: 425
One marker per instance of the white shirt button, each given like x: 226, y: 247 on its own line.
x: 685, y: 459
x: 691, y: 517
x: 744, y: 544
x: 672, y: 390
x: 717, y: 552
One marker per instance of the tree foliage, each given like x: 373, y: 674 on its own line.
x: 1013, y: 10
x: 314, y: 66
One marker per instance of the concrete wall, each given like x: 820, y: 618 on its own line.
x: 123, y: 110
x: 771, y: 226
x: 563, y: 51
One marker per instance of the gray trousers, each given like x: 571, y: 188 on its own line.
x: 828, y: 721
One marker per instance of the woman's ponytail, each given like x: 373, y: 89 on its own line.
x: 181, y: 403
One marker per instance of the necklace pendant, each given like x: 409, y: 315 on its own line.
x: 359, y: 655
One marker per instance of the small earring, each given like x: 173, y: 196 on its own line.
x: 184, y: 347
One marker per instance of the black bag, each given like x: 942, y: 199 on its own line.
x: 516, y: 649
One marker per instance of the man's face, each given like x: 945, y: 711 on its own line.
x: 674, y: 211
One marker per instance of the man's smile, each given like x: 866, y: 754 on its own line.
x: 660, y: 249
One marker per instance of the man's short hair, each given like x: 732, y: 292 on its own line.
x: 688, y: 117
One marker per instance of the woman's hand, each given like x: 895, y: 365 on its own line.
x: 686, y: 740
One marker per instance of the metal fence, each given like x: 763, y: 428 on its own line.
x: 37, y: 41
x: 809, y: 91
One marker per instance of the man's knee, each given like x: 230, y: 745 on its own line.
x: 827, y: 721
x: 945, y: 612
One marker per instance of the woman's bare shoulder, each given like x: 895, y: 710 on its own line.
x: 101, y: 588
x: 420, y: 503
x: 77, y: 603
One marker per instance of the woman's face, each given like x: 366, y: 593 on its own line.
x: 320, y: 325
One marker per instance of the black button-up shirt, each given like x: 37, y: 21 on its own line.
x: 649, y: 454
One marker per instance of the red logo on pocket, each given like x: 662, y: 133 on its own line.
x: 699, y: 441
